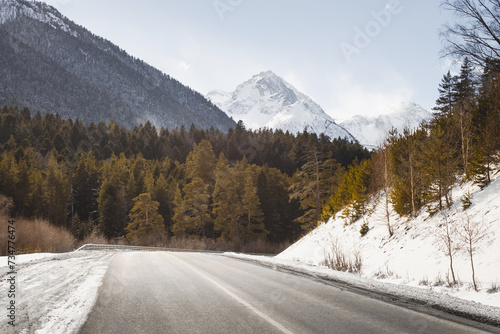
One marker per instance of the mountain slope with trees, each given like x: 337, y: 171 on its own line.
x: 52, y: 65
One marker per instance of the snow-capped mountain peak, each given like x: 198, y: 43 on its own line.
x: 12, y: 9
x: 371, y: 131
x: 268, y: 101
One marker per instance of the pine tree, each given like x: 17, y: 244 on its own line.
x: 465, y: 88
x: 253, y: 216
x: 149, y: 182
x: 201, y: 163
x: 279, y: 211
x: 227, y: 204
x: 163, y: 193
x: 112, y: 201
x: 136, y: 178
x: 196, y: 203
x: 22, y: 194
x: 486, y: 137
x: 179, y: 227
x: 447, y: 94
x: 36, y: 193
x: 57, y: 192
x: 406, y: 172
x: 352, y: 195
x: 311, y: 185
x: 8, y: 174
x: 85, y: 184
x: 438, y: 168
x: 145, y: 221
x: 466, y: 84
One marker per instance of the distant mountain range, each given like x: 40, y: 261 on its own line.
x: 268, y: 101
x: 371, y: 131
x: 50, y: 64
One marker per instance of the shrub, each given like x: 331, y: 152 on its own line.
x: 466, y: 201
x: 35, y: 235
x: 364, y: 229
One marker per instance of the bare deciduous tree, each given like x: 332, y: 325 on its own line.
x: 472, y: 232
x: 477, y: 34
x: 383, y: 180
x: 447, y: 236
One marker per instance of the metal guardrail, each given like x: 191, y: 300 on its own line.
x: 91, y: 247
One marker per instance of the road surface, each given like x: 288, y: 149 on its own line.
x: 161, y: 292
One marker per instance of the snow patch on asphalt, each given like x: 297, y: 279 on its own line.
x: 54, y: 292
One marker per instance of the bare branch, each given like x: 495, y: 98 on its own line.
x: 477, y: 35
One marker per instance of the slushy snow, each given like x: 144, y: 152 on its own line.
x: 54, y: 292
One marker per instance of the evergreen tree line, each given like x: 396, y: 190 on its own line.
x: 418, y: 168
x: 148, y: 184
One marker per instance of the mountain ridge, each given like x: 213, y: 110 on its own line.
x: 372, y: 130
x: 96, y: 80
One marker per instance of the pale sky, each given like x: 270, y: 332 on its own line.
x: 351, y: 57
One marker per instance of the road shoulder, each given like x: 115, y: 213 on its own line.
x: 425, y: 301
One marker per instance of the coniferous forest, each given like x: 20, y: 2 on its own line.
x: 151, y: 186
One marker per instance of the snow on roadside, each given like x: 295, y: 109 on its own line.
x: 54, y: 292
x: 412, y: 257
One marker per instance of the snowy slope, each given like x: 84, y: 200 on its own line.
x: 414, y: 256
x: 268, y: 101
x: 371, y: 131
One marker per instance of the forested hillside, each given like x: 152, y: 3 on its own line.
x: 151, y: 184
x: 418, y: 168
x: 53, y: 65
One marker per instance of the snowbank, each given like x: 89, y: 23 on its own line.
x: 54, y: 293
x: 413, y: 256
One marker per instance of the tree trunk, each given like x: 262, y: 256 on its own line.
x: 386, y: 190
x: 452, y: 271
x: 472, y: 266
x: 412, y: 187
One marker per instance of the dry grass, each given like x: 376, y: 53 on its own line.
x: 34, y: 236
x: 337, y: 259
x: 494, y: 288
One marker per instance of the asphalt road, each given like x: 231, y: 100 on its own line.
x: 160, y: 292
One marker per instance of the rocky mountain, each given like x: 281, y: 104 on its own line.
x: 51, y: 64
x: 371, y: 131
x: 268, y: 101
